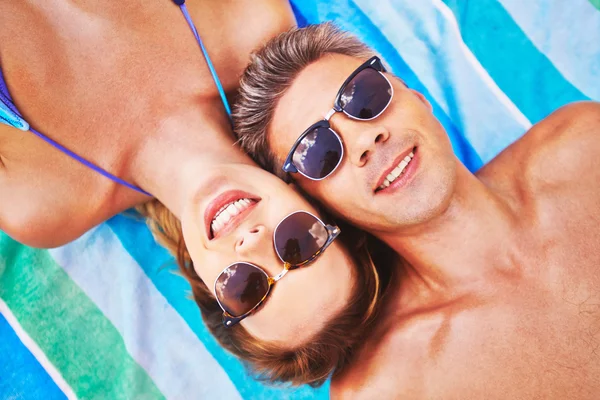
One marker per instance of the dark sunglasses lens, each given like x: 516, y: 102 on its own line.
x: 318, y: 154
x: 366, y: 95
x: 240, y: 288
x: 299, y: 237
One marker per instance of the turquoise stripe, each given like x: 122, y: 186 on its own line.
x: 68, y: 327
x: 159, y: 266
x: 567, y: 33
x: 525, y: 74
x: 596, y: 3
x: 348, y: 16
x: 21, y: 375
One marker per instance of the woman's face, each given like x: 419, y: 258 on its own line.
x: 303, y: 301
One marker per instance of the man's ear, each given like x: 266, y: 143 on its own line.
x: 422, y: 98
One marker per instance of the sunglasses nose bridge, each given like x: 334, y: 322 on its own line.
x: 330, y: 113
x: 284, y: 271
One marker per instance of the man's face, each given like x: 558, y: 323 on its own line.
x: 358, y: 189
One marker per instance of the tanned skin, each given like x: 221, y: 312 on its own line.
x: 124, y: 85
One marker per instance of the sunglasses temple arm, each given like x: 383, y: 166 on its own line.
x: 230, y: 320
x: 334, y: 232
x: 289, y: 167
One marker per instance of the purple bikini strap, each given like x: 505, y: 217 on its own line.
x: 3, y: 88
x: 8, y: 101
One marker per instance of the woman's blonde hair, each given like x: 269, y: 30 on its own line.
x: 312, y: 363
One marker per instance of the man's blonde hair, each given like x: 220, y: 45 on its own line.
x: 272, y: 71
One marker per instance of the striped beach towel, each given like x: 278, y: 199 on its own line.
x: 107, y: 317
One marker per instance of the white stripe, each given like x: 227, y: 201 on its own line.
x: 36, y: 351
x: 427, y: 37
x: 482, y: 72
x: 155, y: 335
x: 568, y: 33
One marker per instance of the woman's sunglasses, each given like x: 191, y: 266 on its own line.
x: 298, y: 239
x: 364, y: 96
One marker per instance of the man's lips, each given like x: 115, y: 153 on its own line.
x: 221, y: 201
x: 397, y: 161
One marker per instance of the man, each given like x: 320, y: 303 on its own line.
x: 499, y: 294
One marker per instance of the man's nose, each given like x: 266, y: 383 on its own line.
x: 361, y: 140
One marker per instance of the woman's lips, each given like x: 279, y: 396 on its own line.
x: 217, y: 205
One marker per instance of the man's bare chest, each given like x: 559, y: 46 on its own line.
x: 531, y: 341
x: 535, y: 338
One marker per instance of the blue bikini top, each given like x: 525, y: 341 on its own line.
x: 10, y: 115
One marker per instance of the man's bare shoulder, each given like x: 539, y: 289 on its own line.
x: 375, y: 376
x: 563, y: 146
x: 391, y: 364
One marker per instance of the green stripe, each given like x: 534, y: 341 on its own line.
x: 596, y: 3
x: 68, y: 327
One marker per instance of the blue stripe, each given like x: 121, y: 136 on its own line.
x: 158, y: 265
x: 21, y: 375
x: 567, y: 33
x: 348, y: 16
x: 300, y: 19
x: 525, y: 74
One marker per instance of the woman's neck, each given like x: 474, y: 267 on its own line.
x: 185, y: 152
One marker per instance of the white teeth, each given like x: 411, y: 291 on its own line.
x: 231, y: 210
x: 239, y: 206
x: 227, y: 212
x: 216, y: 225
x: 224, y: 216
x: 401, y: 166
x: 396, y: 172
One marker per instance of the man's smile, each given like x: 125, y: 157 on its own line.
x: 398, y: 173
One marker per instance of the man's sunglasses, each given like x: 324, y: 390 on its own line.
x: 364, y: 96
x: 298, y: 240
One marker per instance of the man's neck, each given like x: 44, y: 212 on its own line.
x: 472, y: 239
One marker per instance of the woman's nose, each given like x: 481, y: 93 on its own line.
x: 253, y: 240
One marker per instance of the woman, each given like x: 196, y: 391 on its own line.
x: 120, y: 86
x: 307, y: 323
